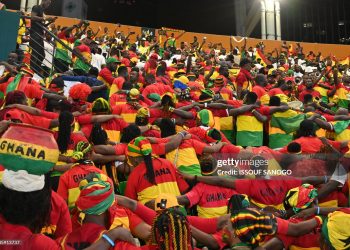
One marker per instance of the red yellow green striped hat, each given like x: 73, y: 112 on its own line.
x: 335, y: 229
x: 206, y: 117
x: 139, y: 147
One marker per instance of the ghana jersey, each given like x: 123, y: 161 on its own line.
x: 120, y: 216
x: 244, y: 80
x: 263, y: 96
x: 343, y: 95
x: 34, y: 120
x: 201, y: 133
x: 86, y: 235
x: 168, y: 181
x: 74, y: 139
x: 309, y: 241
x: 27, y: 239
x: 312, y: 145
x: 106, y: 76
x: 60, y: 222
x: 185, y: 156
x: 314, y: 93
x: 127, y: 111
x: 157, y: 88
x: 264, y: 193
x: 113, y: 127
x: 224, y: 91
x: 211, y: 200
x: 279, y: 93
x: 249, y: 129
x: 117, y: 99
x: 68, y: 187
x: 117, y: 85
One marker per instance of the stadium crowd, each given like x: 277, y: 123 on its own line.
x: 140, y: 127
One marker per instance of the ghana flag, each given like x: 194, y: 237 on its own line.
x: 249, y: 131
x: 24, y: 147
x: 260, y: 55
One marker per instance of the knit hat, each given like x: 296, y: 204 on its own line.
x: 300, y: 197
x: 335, y: 229
x: 251, y: 226
x: 142, y: 112
x: 100, y: 105
x: 139, y: 147
x: 134, y: 94
x: 206, y: 117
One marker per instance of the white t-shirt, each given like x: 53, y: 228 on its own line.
x: 49, y: 50
x: 98, y: 60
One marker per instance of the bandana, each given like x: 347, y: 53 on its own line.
x: 96, y: 195
x: 219, y: 80
x: 154, y: 97
x: 335, y: 229
x: 251, y: 226
x: 300, y: 198
x: 139, y: 147
x: 100, y: 105
x: 206, y: 117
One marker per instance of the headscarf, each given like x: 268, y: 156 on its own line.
x: 139, y: 147
x: 251, y: 226
x: 335, y: 229
x: 206, y: 117
x: 100, y: 105
x: 96, y: 195
x: 22, y: 181
x: 300, y: 198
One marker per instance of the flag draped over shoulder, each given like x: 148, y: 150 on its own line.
x: 14, y: 84
x: 260, y: 55
x: 288, y: 121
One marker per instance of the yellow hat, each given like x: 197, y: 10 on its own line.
x: 134, y: 59
x: 183, y: 79
x: 164, y: 201
x: 134, y: 94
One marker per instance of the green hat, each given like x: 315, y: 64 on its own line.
x: 112, y: 60
x: 154, y: 97
x: 77, y: 43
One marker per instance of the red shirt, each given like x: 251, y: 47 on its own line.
x: 266, y: 192
x: 157, y: 88
x: 27, y: 239
x: 116, y: 99
x: 243, y: 77
x: 312, y: 92
x: 106, y: 75
x: 60, y: 222
x: 166, y: 177
x: 34, y: 120
x: 312, y: 145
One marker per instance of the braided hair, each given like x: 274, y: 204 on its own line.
x: 171, y: 230
x: 64, y: 130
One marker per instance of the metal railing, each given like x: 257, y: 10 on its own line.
x: 47, y: 71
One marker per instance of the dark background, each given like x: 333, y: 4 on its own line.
x: 217, y: 16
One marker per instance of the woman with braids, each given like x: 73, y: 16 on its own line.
x: 92, y: 215
x: 66, y: 141
x: 101, y: 113
x: 82, y: 165
x: 151, y: 176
